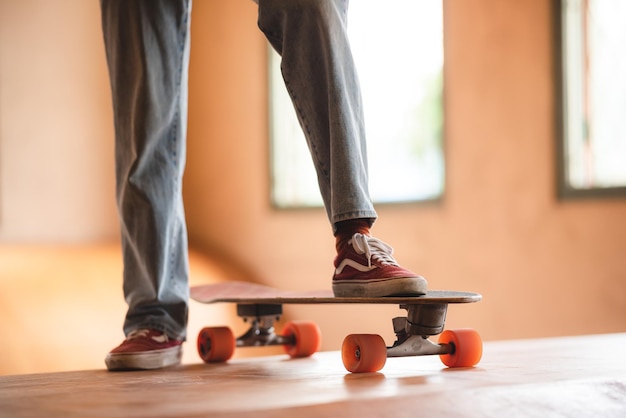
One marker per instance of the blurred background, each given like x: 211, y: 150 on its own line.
x: 545, y: 265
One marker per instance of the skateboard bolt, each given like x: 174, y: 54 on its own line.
x: 357, y: 353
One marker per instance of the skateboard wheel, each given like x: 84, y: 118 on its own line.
x: 467, y: 347
x: 216, y: 344
x: 362, y: 353
x: 306, y: 336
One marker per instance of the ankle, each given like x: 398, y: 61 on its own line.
x: 346, y: 229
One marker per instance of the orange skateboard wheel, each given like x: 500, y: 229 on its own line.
x: 362, y: 353
x: 467, y: 347
x: 216, y: 344
x: 307, y: 338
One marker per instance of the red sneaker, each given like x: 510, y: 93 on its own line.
x: 145, y: 349
x: 365, y: 267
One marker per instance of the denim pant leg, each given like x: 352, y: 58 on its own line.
x: 321, y: 78
x: 147, y: 48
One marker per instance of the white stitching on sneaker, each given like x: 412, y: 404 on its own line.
x: 354, y: 264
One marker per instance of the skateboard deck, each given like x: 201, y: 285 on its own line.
x: 261, y: 305
x: 252, y: 293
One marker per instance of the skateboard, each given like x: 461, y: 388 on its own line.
x: 261, y: 305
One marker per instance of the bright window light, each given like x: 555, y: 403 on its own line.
x: 398, y: 49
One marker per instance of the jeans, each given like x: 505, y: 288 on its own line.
x: 147, y: 49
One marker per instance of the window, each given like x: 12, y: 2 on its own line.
x: 592, y: 150
x: 400, y: 67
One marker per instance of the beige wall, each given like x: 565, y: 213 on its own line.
x: 56, y: 155
x: 544, y: 266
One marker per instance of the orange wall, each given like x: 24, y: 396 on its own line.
x: 544, y: 266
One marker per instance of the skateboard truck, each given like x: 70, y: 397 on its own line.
x: 298, y: 338
x: 261, y: 332
x: 412, y: 331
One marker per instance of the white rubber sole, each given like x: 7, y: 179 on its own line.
x: 149, y: 360
x: 380, y: 288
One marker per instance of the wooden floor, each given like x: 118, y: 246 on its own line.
x: 561, y: 377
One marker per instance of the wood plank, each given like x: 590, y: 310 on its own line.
x: 574, y: 376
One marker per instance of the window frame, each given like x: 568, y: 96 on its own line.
x: 565, y: 191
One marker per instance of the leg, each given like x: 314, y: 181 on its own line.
x: 147, y: 47
x: 321, y: 78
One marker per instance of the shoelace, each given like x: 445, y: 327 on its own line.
x: 139, y: 333
x: 373, y: 248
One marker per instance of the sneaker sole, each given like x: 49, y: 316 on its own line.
x: 385, y: 287
x: 150, y: 360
